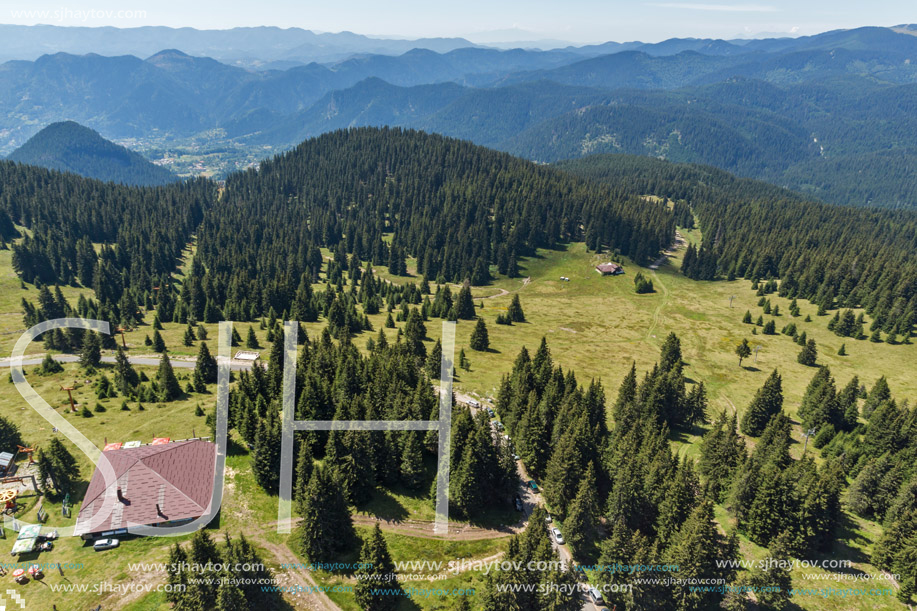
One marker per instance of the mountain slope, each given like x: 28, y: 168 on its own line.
x: 70, y: 147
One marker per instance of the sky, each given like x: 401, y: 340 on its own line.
x: 579, y: 21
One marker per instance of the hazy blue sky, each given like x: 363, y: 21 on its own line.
x: 482, y: 20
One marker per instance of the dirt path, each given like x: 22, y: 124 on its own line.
x: 424, y: 530
x: 315, y: 600
x: 463, y: 532
x: 504, y: 292
x: 657, y: 313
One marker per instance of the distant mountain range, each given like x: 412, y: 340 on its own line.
x: 255, y: 46
x: 70, y: 147
x: 801, y: 112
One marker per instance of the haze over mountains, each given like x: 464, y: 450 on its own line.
x: 830, y: 114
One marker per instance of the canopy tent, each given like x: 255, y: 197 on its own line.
x: 27, y: 539
x: 112, y: 446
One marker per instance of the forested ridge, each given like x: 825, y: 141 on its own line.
x: 456, y: 207
x: 834, y: 256
x: 142, y: 232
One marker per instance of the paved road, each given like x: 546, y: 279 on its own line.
x: 529, y: 501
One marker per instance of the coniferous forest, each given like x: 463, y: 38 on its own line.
x: 347, y: 204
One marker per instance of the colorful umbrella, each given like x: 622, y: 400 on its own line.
x: 18, y: 573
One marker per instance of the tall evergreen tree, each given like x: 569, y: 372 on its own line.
x: 169, y: 388
x: 479, y: 338
x: 767, y: 402
x: 377, y: 586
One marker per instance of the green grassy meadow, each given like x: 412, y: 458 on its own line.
x: 597, y: 326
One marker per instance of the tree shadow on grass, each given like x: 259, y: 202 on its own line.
x: 385, y: 506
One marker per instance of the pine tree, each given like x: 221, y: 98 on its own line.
x: 188, y: 338
x: 206, y: 365
x: 696, y: 550
x: 91, y: 354
x: 411, y: 466
x: 767, y: 402
x: 809, y: 354
x: 304, y: 467
x: 49, y: 366
x: 464, y: 304
x: 514, y: 311
x: 774, y: 583
x: 377, y: 584
x: 63, y: 466
x: 230, y: 597
x: 879, y: 394
x: 251, y: 341
x: 266, y: 452
x: 747, y: 318
x: 582, y: 514
x: 158, y: 344
x: 126, y: 378
x: 169, y: 388
x: 46, y: 473
x: 326, y: 526
x: 176, y: 576
x: 479, y: 339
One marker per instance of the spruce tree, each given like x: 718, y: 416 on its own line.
x: 169, y: 388
x: 176, y: 576
x: 377, y: 585
x: 582, y: 515
x: 91, y: 354
x: 809, y: 354
x: 65, y: 469
x: 251, y: 341
x: 49, y: 366
x: 411, y: 466
x: 304, y: 467
x: 158, y: 344
x: 514, y: 311
x: 126, y: 378
x: 479, y: 339
x: 326, y: 527
x: 266, y: 452
x: 464, y: 304
x: 767, y: 402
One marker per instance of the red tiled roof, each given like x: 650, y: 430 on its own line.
x: 178, y: 476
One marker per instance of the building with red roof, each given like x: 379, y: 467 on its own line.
x: 155, y: 485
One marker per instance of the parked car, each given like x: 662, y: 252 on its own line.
x: 533, y: 485
x: 490, y: 412
x: 517, y: 503
x: 557, y: 536
x: 103, y: 544
x: 548, y: 519
x: 595, y: 596
x: 515, y: 457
